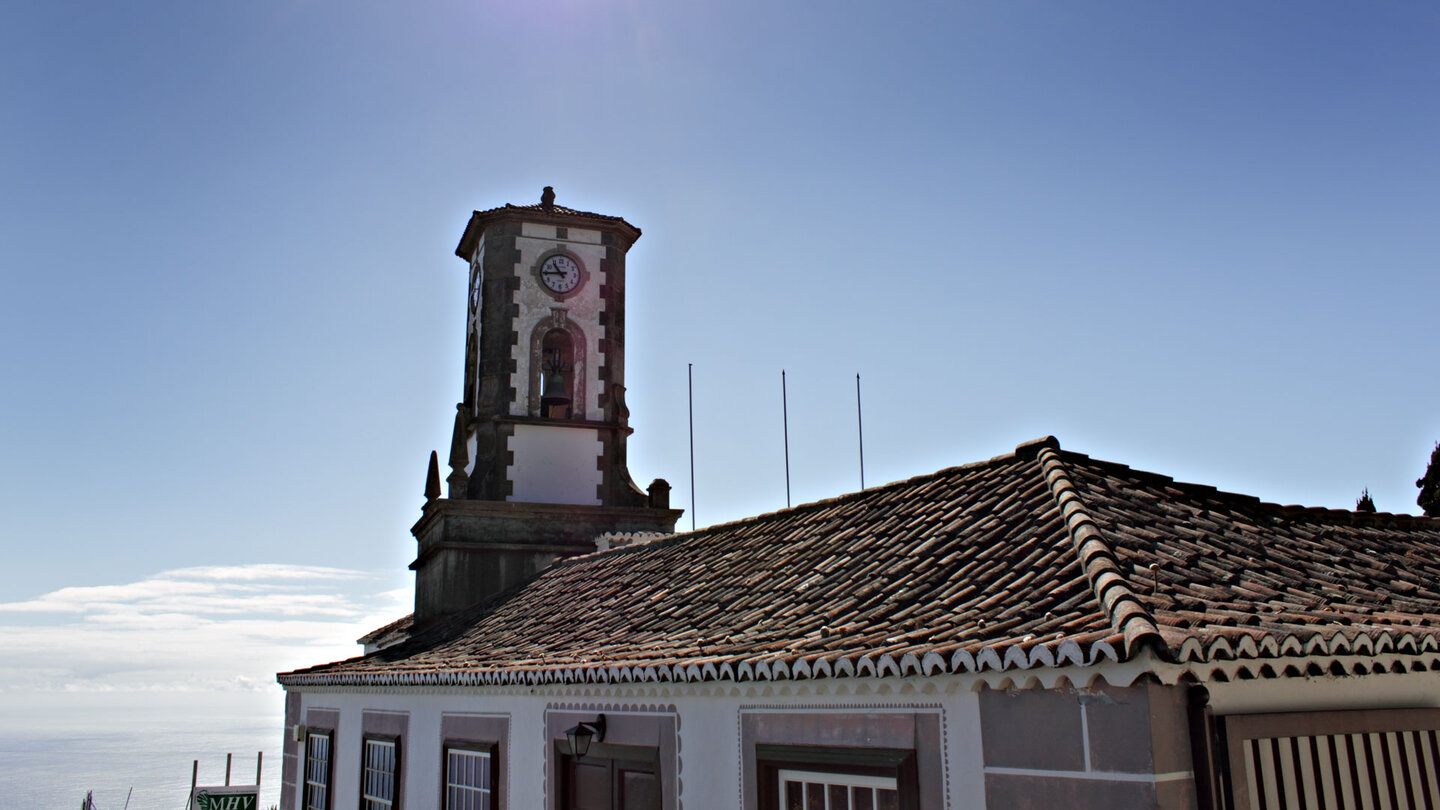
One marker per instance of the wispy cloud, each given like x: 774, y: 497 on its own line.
x: 204, y: 589
x: 191, y: 629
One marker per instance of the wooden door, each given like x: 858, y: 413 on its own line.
x: 594, y: 783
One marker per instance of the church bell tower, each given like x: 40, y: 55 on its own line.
x: 537, y: 459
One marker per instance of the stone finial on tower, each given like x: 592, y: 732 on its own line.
x: 547, y: 198
x: 432, y: 478
x: 459, y: 455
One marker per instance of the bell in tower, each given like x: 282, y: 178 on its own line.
x: 555, y: 396
x: 538, y: 467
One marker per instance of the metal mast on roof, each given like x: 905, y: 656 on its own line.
x: 690, y: 382
x: 860, y: 425
x: 785, y: 420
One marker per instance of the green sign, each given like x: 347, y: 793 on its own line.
x: 229, y: 797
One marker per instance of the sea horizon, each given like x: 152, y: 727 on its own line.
x: 145, y: 755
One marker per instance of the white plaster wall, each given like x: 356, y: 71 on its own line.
x: 421, y: 749
x: 555, y: 464
x: 537, y: 231
x: 964, y: 758
x: 708, y: 731
x: 709, y: 752
x: 420, y: 758
x: 535, y: 305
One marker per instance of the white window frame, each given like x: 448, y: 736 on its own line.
x: 377, y: 801
x: 318, y: 780
x: 483, y: 797
x: 831, y: 778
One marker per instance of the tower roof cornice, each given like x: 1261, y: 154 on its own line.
x: 546, y: 214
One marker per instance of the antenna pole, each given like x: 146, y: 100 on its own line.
x: 860, y: 425
x: 785, y: 420
x: 690, y: 382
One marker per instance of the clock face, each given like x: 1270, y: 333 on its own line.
x: 560, y: 274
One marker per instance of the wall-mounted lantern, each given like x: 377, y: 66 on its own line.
x: 580, y: 736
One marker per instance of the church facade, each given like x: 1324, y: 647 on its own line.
x: 1041, y: 629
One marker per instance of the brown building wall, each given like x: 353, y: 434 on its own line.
x: 914, y: 731
x: 290, y: 753
x: 1112, y: 747
x: 1018, y: 792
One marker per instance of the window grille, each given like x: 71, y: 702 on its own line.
x: 815, y: 790
x: 377, y: 778
x: 317, y: 771
x: 467, y: 779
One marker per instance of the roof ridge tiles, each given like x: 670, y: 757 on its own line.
x: 1123, y: 607
x: 1022, y: 451
x: 1209, y: 490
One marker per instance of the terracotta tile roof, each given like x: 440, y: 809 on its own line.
x: 553, y: 210
x: 1037, y: 558
x: 395, y: 631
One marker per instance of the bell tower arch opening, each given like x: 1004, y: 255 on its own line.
x: 558, y: 368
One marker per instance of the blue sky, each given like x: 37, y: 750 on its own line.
x: 1194, y: 238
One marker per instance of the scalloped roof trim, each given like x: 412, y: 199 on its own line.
x: 995, y: 658
x: 1359, y: 643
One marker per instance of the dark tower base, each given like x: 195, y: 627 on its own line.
x: 470, y: 550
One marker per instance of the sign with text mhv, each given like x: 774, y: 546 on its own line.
x: 229, y: 797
